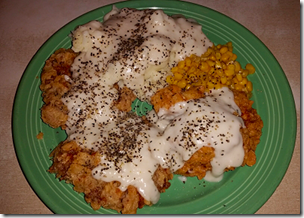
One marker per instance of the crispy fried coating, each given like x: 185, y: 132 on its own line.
x: 198, y: 164
x: 126, y: 97
x: 74, y: 165
x: 200, y: 161
x: 54, y: 85
x: 254, y: 124
x: 172, y: 94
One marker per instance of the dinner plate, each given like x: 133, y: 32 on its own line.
x: 242, y: 191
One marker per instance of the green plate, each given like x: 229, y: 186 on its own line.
x: 242, y: 191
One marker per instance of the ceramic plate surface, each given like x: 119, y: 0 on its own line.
x: 242, y: 191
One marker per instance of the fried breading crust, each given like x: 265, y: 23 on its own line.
x: 172, y: 94
x: 54, y: 85
x: 254, y: 124
x: 200, y: 162
x: 126, y: 97
x: 74, y: 165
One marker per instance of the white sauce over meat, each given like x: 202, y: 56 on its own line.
x: 136, y: 46
x: 137, y: 49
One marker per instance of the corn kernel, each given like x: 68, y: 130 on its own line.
x: 218, y: 65
x: 188, y: 86
x: 229, y: 45
x: 219, y: 72
x: 237, y: 66
x: 249, y: 86
x: 188, y: 62
x: 233, y: 57
x: 229, y: 53
x: 191, y: 69
x: 250, y: 68
x: 234, y: 80
x: 231, y: 67
x: 204, y: 66
x: 223, y: 80
x: 211, y: 71
x: 225, y: 57
x: 169, y: 79
x: 218, y: 86
x: 239, y: 77
x: 181, y: 64
x: 245, y: 73
x: 212, y: 57
x: 210, y: 63
x: 218, y: 56
x: 178, y: 76
x: 210, y: 85
x: 244, y: 81
x: 207, y: 53
x: 182, y: 83
x: 174, y: 69
x: 238, y: 87
x: 229, y: 72
x: 223, y: 49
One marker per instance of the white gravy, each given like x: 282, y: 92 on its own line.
x: 137, y: 49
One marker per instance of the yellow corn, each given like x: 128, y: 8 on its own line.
x: 239, y: 77
x: 216, y: 68
x: 238, y: 87
x: 223, y: 80
x: 219, y: 73
x: 250, y: 68
x: 182, y: 83
x: 192, y: 69
x: 218, y: 55
x: 229, y: 72
x: 245, y: 73
x: 249, y: 86
x: 204, y: 66
x: 231, y: 67
x: 229, y: 45
x: 218, y: 65
x: 188, y: 86
x: 233, y: 57
x: 237, y: 66
x: 174, y: 69
x: 225, y: 57
x: 223, y: 49
x: 244, y: 81
x: 178, y: 76
x: 212, y: 57
x: 210, y: 63
x: 188, y: 61
x: 169, y: 79
x: 181, y: 64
